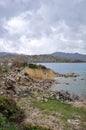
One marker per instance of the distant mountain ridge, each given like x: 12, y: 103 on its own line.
x: 69, y: 55
x: 8, y: 53
x: 3, y: 53
x: 54, y: 57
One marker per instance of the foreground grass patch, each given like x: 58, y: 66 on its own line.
x: 66, y: 111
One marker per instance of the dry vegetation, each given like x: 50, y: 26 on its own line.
x: 40, y: 73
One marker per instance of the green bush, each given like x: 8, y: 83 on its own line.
x: 26, y: 126
x: 2, y: 120
x: 5, y: 69
x: 34, y: 66
x: 10, y: 110
x: 5, y: 125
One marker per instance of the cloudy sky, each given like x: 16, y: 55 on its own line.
x: 42, y: 26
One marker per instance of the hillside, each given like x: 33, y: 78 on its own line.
x: 3, y: 54
x: 54, y: 57
x: 69, y: 55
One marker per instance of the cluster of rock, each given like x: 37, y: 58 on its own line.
x: 67, y: 75
x: 17, y: 82
x: 66, y: 96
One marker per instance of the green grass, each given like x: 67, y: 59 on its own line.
x: 67, y: 111
x: 31, y: 127
x: 59, y: 109
x: 6, y: 125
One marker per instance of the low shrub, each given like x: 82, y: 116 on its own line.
x: 31, y: 127
x: 10, y: 110
x: 5, y: 69
x: 34, y: 66
x: 2, y: 120
x: 6, y: 125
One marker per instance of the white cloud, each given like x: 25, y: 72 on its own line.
x: 43, y: 27
x: 16, y: 25
x: 7, y: 45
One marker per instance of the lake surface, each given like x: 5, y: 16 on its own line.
x: 75, y: 85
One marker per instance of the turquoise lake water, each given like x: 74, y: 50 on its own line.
x: 75, y: 85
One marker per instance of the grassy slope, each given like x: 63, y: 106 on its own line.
x: 65, y: 111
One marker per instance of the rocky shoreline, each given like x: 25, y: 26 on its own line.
x: 27, y: 91
x: 18, y: 83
